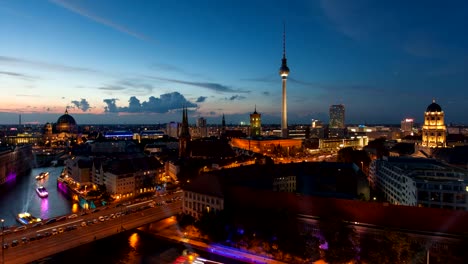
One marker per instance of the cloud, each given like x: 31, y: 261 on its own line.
x: 164, y: 104
x: 40, y: 64
x: 18, y: 75
x: 201, y: 99
x: 112, y: 88
x: 111, y: 106
x: 83, y: 105
x: 236, y: 97
x: 211, y: 86
x: 172, y: 68
x: 271, y: 78
x: 276, y: 79
x: 133, y: 86
x: 301, y: 82
x: 86, y: 13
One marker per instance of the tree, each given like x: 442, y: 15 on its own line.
x: 341, y: 240
x: 391, y: 247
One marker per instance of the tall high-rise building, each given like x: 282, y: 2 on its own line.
x: 407, y: 126
x: 284, y: 72
x: 255, y: 124
x: 434, y: 130
x: 172, y: 129
x: 316, y: 129
x: 337, y: 121
x: 202, y: 128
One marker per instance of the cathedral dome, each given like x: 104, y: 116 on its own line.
x: 434, y: 107
x: 66, y: 123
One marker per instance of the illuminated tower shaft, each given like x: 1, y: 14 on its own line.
x: 284, y: 72
x: 284, y: 111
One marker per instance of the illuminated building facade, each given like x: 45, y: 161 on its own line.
x: 265, y: 145
x: 201, y: 130
x: 316, y: 129
x: 434, y: 130
x: 420, y: 182
x: 255, y: 124
x: 337, y: 121
x: 62, y: 132
x: 407, y: 126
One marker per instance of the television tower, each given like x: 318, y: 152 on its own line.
x: 284, y: 72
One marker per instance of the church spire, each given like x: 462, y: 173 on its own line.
x: 184, y: 137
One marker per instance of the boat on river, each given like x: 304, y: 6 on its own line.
x: 42, y: 175
x: 42, y: 192
x: 26, y: 218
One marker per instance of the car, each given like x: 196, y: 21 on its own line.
x: 38, y: 224
x: 72, y: 216
x: 39, y: 236
x: 54, y: 231
x: 106, y: 217
x: 60, y: 230
x: 50, y: 221
x: 14, y: 243
x: 24, y: 239
x: 20, y: 228
x: 83, y: 223
x: 7, y: 231
x: 47, y: 234
x: 95, y: 220
x: 89, y: 222
x: 62, y: 218
x: 5, y: 245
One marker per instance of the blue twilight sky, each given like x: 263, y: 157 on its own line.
x: 125, y: 61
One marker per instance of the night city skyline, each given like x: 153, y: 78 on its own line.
x: 141, y: 62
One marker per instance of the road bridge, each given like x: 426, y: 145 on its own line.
x: 64, y: 235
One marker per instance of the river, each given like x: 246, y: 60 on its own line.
x: 131, y: 247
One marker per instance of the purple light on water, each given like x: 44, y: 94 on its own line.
x: 44, y: 208
x: 11, y: 177
x: 63, y: 187
x: 324, y: 245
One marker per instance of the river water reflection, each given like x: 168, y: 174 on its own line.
x: 128, y: 247
x: 21, y: 196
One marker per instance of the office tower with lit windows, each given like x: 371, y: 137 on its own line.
x: 255, y: 124
x: 336, y: 126
x: 316, y: 129
x: 407, y: 126
x: 202, y: 128
x: 434, y: 130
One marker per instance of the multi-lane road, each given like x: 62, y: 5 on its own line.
x: 72, y: 232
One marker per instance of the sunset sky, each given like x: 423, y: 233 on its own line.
x: 142, y: 61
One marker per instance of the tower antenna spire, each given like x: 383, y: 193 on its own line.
x: 284, y: 39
